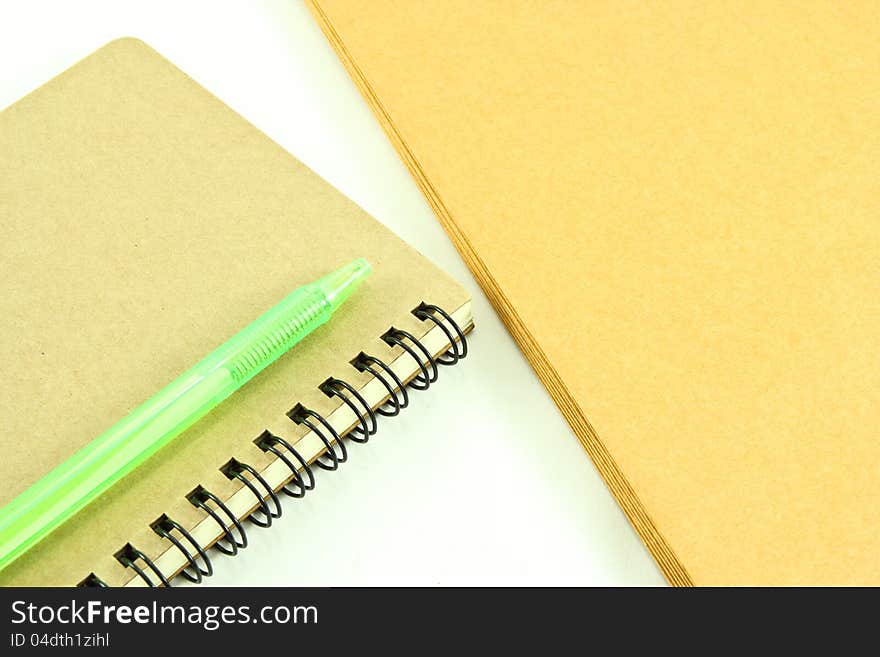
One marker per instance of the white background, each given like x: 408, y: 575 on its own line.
x: 480, y: 481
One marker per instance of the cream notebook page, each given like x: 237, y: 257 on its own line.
x: 675, y: 208
x: 144, y: 223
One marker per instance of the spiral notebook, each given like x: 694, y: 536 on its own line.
x: 144, y: 223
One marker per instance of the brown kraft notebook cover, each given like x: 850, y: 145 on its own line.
x: 143, y: 224
x: 675, y: 208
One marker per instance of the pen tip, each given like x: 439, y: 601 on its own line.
x: 338, y: 285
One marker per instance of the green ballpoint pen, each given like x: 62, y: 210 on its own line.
x: 68, y: 488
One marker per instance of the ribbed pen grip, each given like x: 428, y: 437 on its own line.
x: 280, y: 336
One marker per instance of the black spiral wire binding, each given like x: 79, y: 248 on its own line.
x: 199, y: 498
x: 269, y: 442
x: 235, y: 469
x: 397, y: 395
x: 334, y: 388
x: 164, y: 526
x: 458, y: 348
x: 128, y: 557
x: 396, y: 337
x: 92, y: 581
x: 302, y: 415
x: 301, y: 474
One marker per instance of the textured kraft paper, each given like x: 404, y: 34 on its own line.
x: 674, y: 206
x: 144, y: 223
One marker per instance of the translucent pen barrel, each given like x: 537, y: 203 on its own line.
x: 128, y: 443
